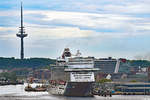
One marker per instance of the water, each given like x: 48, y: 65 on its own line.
x: 16, y: 92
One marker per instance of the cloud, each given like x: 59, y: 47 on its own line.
x: 62, y: 24
x: 9, y: 13
x: 92, y: 21
x: 128, y: 8
x: 110, y: 23
x: 49, y: 24
x: 7, y: 32
x: 88, y: 20
x: 58, y: 32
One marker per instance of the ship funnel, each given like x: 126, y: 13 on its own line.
x: 66, y: 53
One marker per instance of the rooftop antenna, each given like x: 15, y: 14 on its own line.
x: 21, y: 34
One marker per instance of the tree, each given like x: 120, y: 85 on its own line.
x: 9, y: 76
x: 104, y: 80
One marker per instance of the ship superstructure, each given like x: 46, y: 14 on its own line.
x: 77, y: 77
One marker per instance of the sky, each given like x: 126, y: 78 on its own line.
x: 99, y: 28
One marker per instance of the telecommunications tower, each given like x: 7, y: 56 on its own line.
x: 21, y: 34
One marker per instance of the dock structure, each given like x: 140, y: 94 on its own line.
x: 21, y: 34
x: 121, y: 88
x: 129, y: 88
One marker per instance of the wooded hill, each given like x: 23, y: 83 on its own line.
x: 9, y: 63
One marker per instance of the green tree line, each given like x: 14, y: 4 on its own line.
x: 9, y: 63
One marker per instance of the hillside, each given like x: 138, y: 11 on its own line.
x: 9, y: 63
x: 125, y: 67
x: 141, y: 63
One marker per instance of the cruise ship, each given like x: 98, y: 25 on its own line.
x: 72, y: 75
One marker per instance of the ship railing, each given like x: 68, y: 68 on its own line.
x: 80, y: 69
